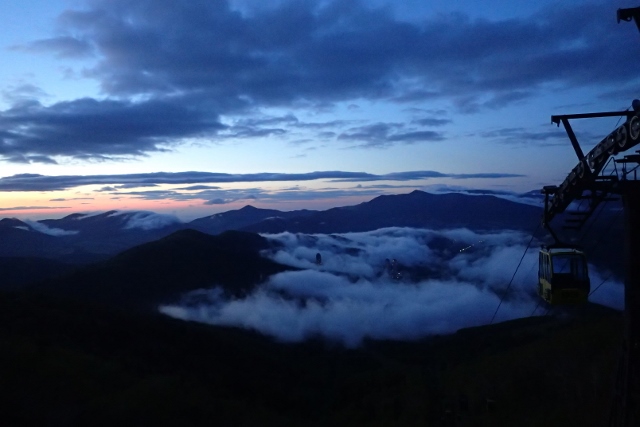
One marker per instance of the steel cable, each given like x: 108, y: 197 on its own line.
x: 514, y: 273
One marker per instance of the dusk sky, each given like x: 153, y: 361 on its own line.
x: 201, y: 106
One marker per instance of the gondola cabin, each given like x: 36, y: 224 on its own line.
x: 563, y: 277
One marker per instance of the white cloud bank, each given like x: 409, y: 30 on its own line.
x: 43, y: 228
x: 449, y: 280
x: 149, y: 220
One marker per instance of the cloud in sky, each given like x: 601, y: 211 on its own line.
x: 382, y: 134
x: 218, y: 201
x: 63, y: 46
x: 250, y: 195
x: 36, y: 182
x: 30, y: 208
x: 429, y: 121
x: 334, y: 50
x: 520, y: 135
x: 23, y: 92
x: 450, y: 279
x: 169, y: 70
x: 89, y: 129
x: 296, y: 86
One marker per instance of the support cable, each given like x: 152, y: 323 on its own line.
x: 597, y: 243
x: 537, y: 305
x: 601, y: 283
x: 606, y: 230
x: 514, y: 273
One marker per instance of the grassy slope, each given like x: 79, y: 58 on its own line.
x: 65, y: 364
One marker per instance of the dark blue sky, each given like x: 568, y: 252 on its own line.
x: 296, y: 103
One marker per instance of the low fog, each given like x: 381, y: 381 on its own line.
x: 392, y: 283
x: 43, y: 228
x: 150, y: 220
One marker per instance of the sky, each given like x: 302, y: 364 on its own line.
x: 192, y: 108
x: 350, y: 296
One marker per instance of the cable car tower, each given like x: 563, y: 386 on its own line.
x: 586, y: 182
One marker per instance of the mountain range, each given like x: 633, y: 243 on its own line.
x: 81, y: 238
x: 31, y: 251
x: 83, y: 343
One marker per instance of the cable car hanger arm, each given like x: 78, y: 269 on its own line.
x: 629, y: 14
x: 583, y: 176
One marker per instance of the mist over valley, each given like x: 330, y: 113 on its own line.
x: 343, y: 296
x: 344, y: 279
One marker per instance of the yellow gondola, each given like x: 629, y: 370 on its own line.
x: 563, y: 276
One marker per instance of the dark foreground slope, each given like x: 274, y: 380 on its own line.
x: 69, y: 364
x: 20, y: 272
x: 159, y: 272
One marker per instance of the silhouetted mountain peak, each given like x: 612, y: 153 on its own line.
x: 74, y: 216
x: 93, y: 218
x: 240, y: 218
x: 416, y: 209
x: 12, y: 222
x: 162, y: 270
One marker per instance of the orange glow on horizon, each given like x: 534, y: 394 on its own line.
x: 39, y: 207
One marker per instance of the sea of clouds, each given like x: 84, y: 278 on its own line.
x: 443, y: 280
